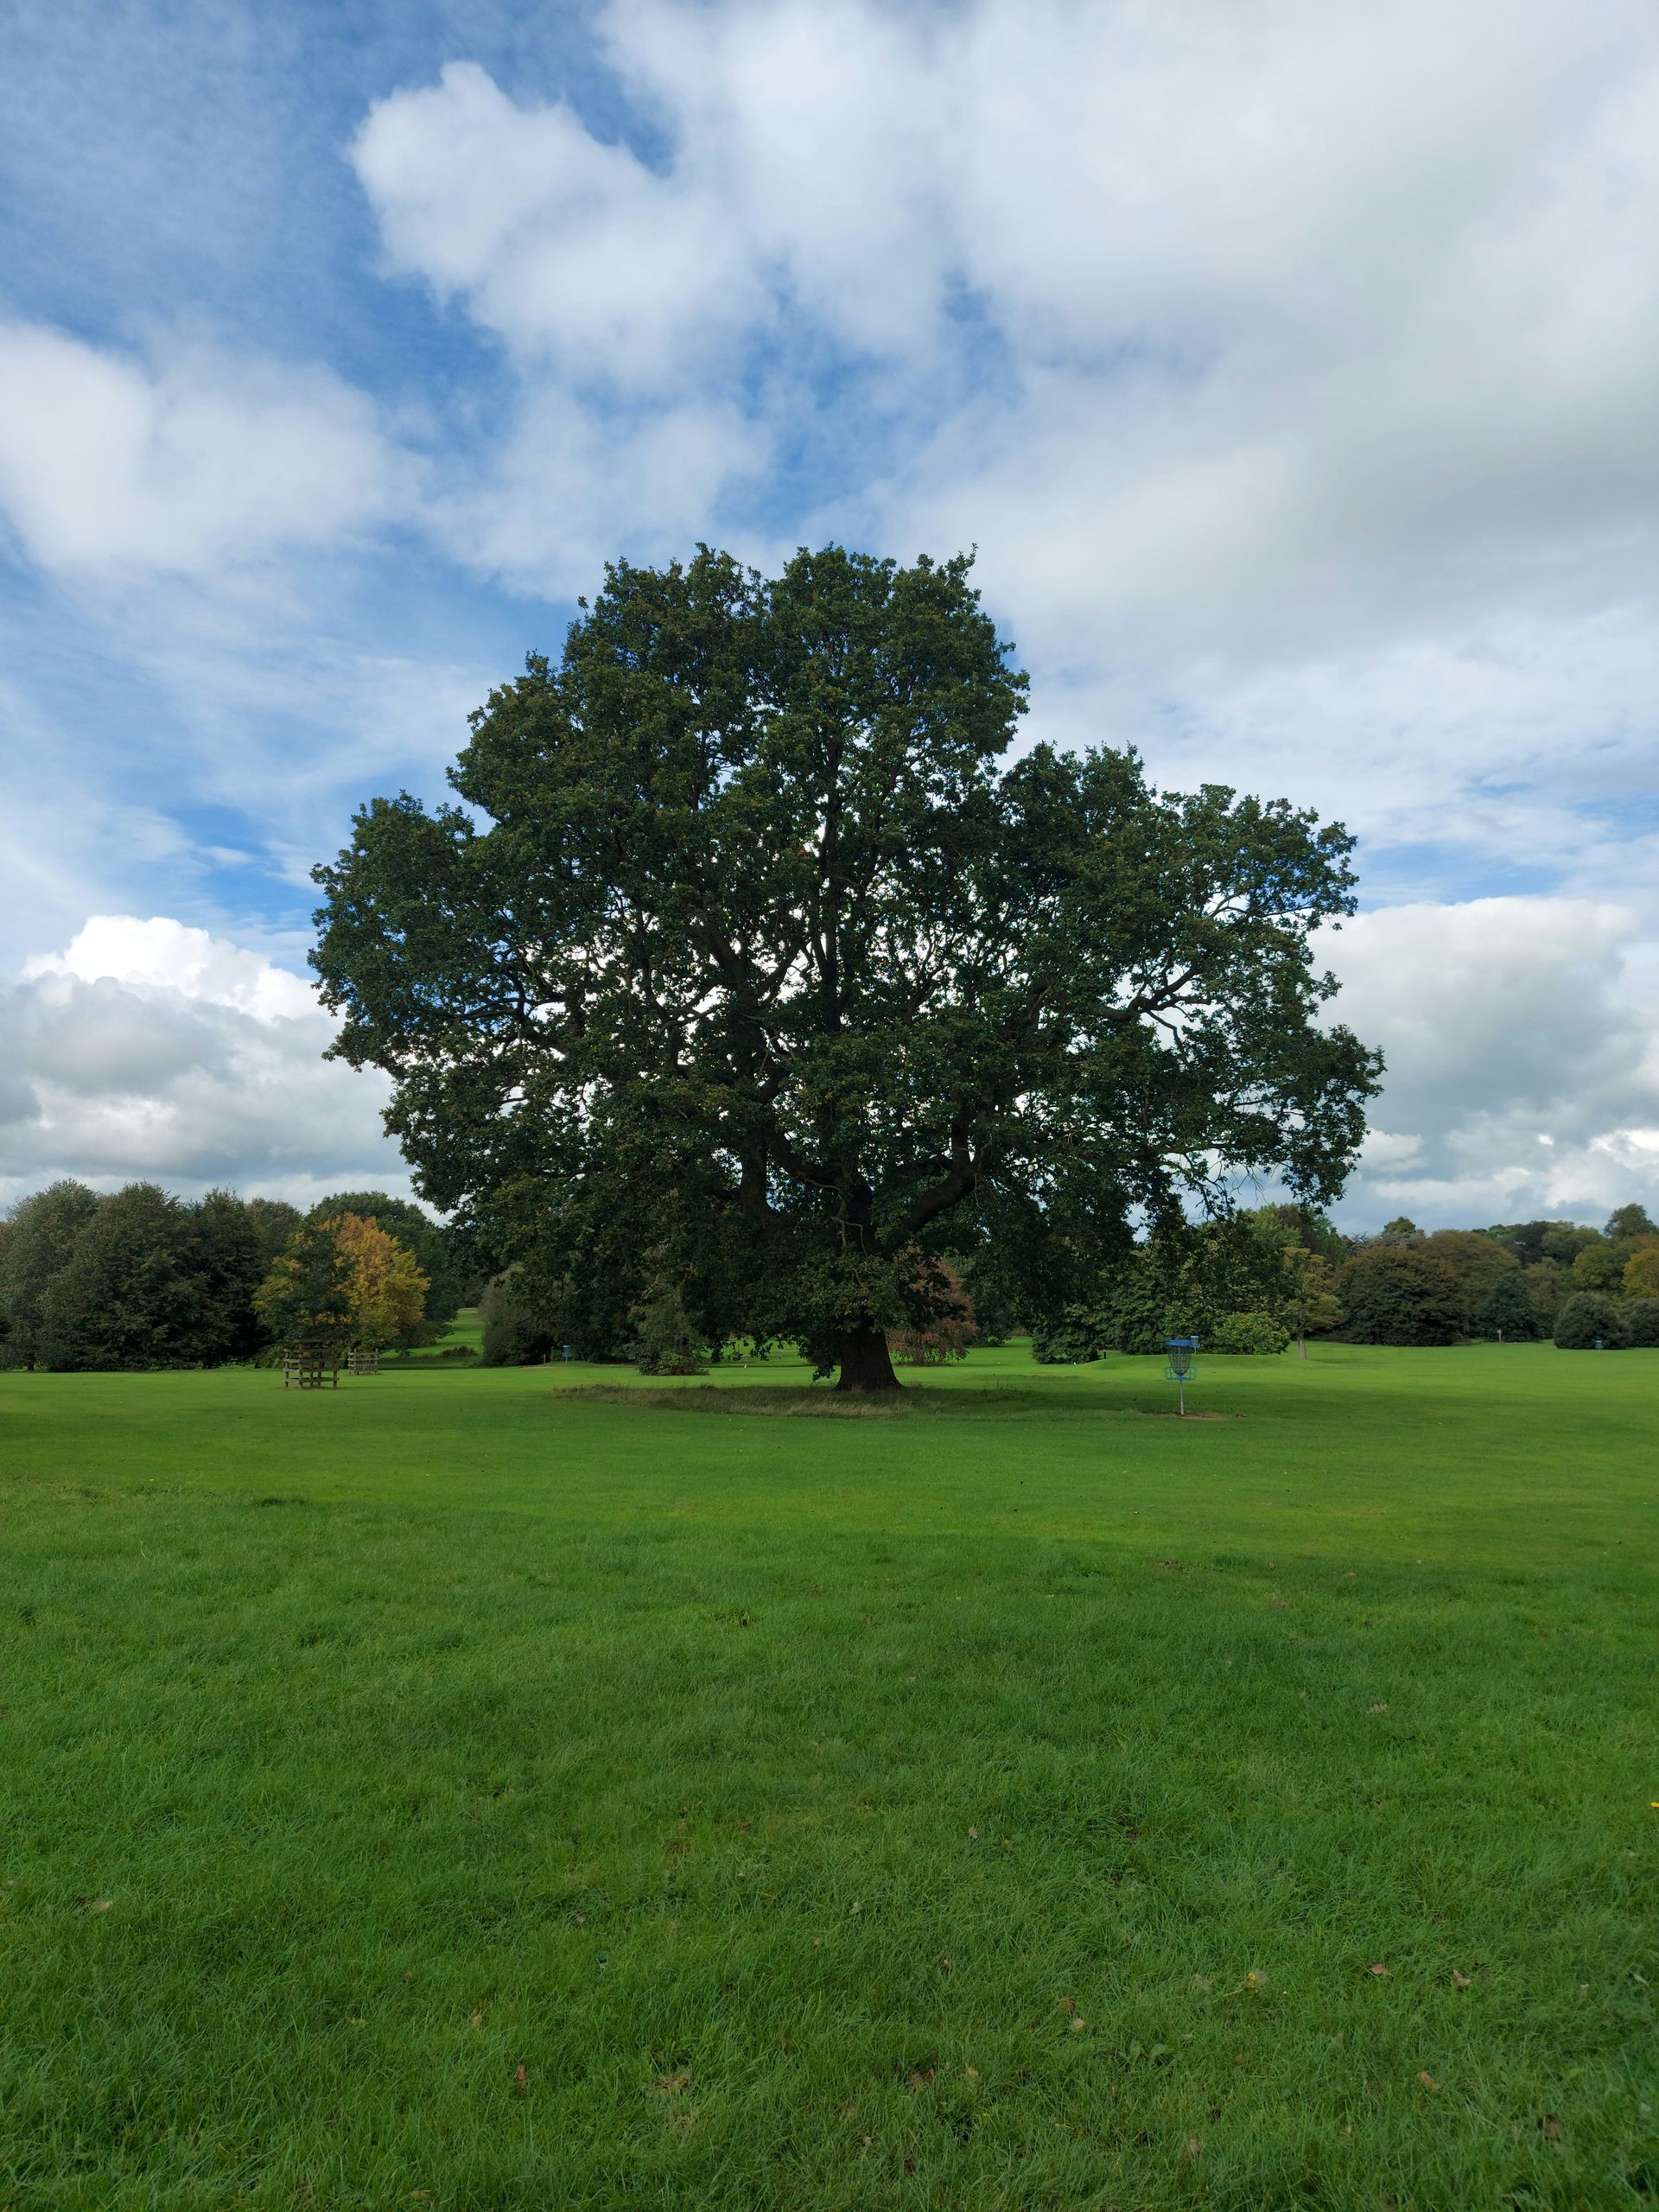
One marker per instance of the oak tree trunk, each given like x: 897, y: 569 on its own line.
x: 865, y: 1361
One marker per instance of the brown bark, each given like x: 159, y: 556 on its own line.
x: 866, y: 1364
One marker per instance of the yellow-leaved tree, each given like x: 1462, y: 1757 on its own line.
x: 343, y: 1279
x: 1641, y: 1278
x: 385, y: 1284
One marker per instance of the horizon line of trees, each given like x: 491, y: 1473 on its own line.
x: 139, y: 1278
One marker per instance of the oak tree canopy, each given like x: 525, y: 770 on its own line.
x: 747, y: 946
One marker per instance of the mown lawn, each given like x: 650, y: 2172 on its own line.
x: 459, y: 1792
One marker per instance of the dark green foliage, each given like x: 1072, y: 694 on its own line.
x: 131, y: 1295
x: 275, y: 1222
x: 229, y: 1260
x: 665, y: 1340
x: 1599, y: 1268
x: 1185, y: 1281
x: 1524, y: 1238
x: 1394, y: 1294
x: 744, y: 928
x: 1508, y: 1311
x: 1630, y: 1225
x: 1257, y: 1332
x: 140, y: 1280
x: 442, y: 1259
x: 1072, y: 1337
x: 307, y: 1293
x: 1563, y: 1241
x: 1586, y: 1318
x: 517, y: 1330
x: 1639, y: 1321
x: 41, y: 1234
x: 1478, y: 1262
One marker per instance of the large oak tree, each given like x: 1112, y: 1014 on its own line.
x: 745, y: 948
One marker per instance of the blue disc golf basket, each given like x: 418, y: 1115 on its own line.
x: 1180, y: 1365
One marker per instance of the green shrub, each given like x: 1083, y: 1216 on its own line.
x: 665, y: 1343
x: 1073, y: 1337
x: 1585, y: 1319
x: 1251, y: 1332
x: 517, y: 1330
x: 1641, y: 1320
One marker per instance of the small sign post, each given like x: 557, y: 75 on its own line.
x: 1181, y: 1363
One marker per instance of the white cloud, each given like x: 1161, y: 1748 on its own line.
x: 180, y: 462
x: 1292, y: 367
x: 1522, y: 1049
x: 557, y: 243
x: 150, y: 1049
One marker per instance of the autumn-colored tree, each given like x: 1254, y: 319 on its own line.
x: 387, y: 1287
x: 308, y: 1291
x: 343, y: 1278
x: 946, y: 1327
x: 1641, y: 1277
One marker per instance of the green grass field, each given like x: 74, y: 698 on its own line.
x: 458, y: 1792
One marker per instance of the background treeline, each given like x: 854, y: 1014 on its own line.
x: 1257, y: 1281
x: 142, y: 1278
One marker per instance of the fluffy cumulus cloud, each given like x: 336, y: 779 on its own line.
x: 179, y: 460
x: 1522, y: 1041
x: 149, y: 1049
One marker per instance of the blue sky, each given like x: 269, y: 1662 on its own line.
x: 1294, y: 371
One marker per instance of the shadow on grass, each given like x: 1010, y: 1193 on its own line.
x: 822, y: 1402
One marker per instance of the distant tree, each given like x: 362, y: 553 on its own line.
x: 666, y: 1341
x: 1396, y: 1295
x: 949, y: 1326
x: 1641, y: 1276
x: 996, y: 1310
x: 1507, y: 1311
x: 308, y: 1292
x: 1311, y: 1229
x: 1311, y: 1299
x: 387, y: 1287
x: 437, y: 1251
x: 517, y: 1330
x: 130, y: 1295
x: 229, y: 1260
x: 1477, y: 1261
x: 1526, y: 1239
x: 1585, y: 1319
x: 1563, y: 1241
x: 1599, y: 1266
x: 1640, y: 1319
x: 1543, y: 1282
x: 1630, y: 1225
x: 41, y: 1234
x: 1400, y: 1228
x: 275, y: 1222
